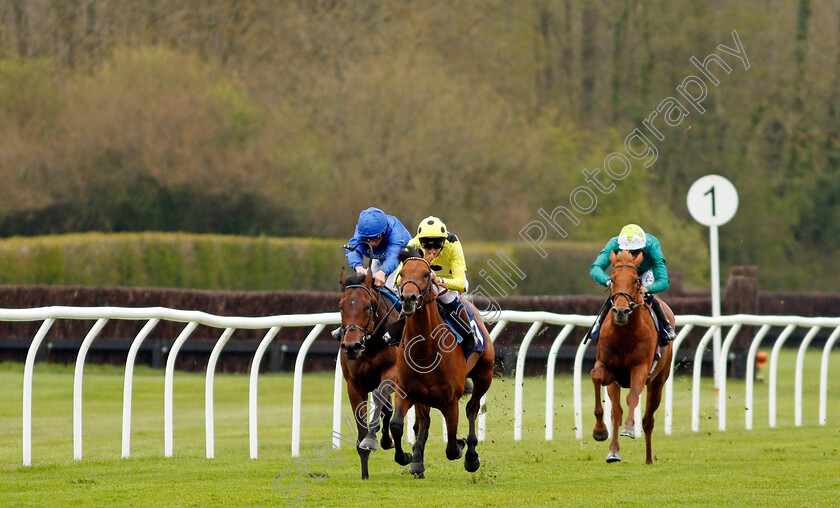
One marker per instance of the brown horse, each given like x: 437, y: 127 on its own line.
x: 368, y: 363
x: 431, y: 370
x: 626, y: 353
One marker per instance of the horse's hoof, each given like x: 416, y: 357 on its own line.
x: 369, y: 443
x: 417, y: 469
x: 628, y: 432
x: 420, y: 476
x: 600, y: 435
x: 454, y: 454
x: 472, y: 466
x: 386, y: 442
x: 403, y: 459
x: 613, y: 457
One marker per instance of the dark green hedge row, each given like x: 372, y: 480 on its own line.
x: 219, y: 262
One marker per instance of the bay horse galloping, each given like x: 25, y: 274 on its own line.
x: 431, y: 370
x: 367, y: 362
x: 627, y: 349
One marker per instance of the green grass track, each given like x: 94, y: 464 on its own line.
x: 785, y: 466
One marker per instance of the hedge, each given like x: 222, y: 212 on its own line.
x: 220, y: 262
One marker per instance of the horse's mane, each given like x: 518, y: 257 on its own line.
x: 356, y: 279
x: 409, y: 251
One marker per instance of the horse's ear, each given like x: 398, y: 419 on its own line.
x: 343, y: 278
x: 612, y: 257
x: 638, y: 259
x: 368, y: 277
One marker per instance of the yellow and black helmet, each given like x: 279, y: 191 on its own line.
x: 431, y: 227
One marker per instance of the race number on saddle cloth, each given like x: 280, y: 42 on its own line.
x: 449, y: 267
x: 653, y: 273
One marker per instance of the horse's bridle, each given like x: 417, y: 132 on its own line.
x: 423, y: 292
x: 631, y: 298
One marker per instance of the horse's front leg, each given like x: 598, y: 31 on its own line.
x: 614, y: 391
x: 453, y: 444
x: 600, y: 377
x: 401, y: 407
x: 421, y: 432
x: 359, y: 404
x: 381, y: 405
x: 638, y: 377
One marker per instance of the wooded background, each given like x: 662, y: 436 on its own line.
x: 288, y: 118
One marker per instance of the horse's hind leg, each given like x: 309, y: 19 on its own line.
x: 638, y: 377
x: 481, y: 383
x: 600, y: 377
x: 654, y: 397
x: 385, y: 441
x: 401, y: 406
x: 421, y: 431
x: 614, y: 391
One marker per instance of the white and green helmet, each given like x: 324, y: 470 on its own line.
x: 632, y: 237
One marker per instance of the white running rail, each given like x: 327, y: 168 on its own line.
x: 317, y: 322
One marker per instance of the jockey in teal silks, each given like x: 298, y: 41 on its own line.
x: 653, y: 273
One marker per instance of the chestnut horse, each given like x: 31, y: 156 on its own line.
x: 368, y: 363
x: 431, y: 370
x: 627, y: 346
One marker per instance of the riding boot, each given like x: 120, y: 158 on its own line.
x: 593, y: 332
x: 393, y: 336
x: 460, y: 319
x: 666, y: 323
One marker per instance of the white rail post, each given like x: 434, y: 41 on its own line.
x: 724, y: 361
x: 774, y: 365
x: 304, y: 348
x: 482, y: 413
x: 520, y: 374
x: 77, y: 387
x: 128, y: 384
x: 169, y: 381
x: 208, y: 392
x: 748, y: 403
x: 696, y: 371
x: 549, y: 380
x: 252, y: 389
x: 578, y: 388
x: 800, y: 361
x: 824, y: 373
x: 338, y: 384
x: 669, y: 385
x: 27, y: 389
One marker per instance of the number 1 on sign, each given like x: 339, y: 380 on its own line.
x: 712, y: 192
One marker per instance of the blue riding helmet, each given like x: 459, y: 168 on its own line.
x: 372, y: 222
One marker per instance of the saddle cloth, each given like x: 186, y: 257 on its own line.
x: 480, y: 339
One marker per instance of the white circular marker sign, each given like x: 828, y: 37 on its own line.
x: 712, y: 200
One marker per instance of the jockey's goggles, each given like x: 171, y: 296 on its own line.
x: 432, y: 243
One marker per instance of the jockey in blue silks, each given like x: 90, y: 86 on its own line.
x: 386, y: 236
